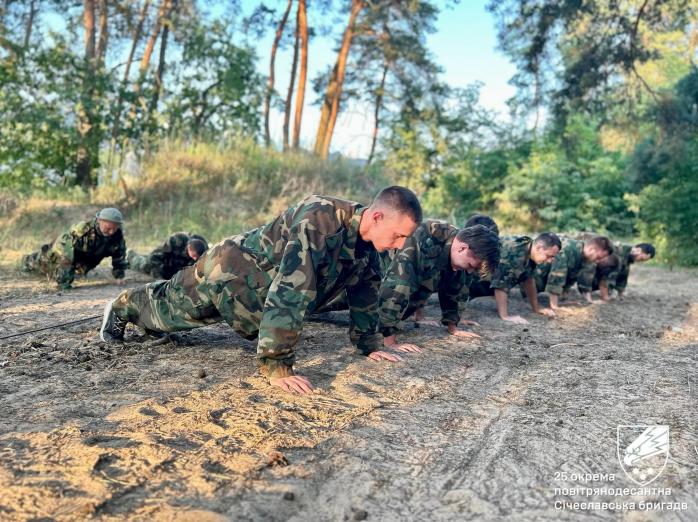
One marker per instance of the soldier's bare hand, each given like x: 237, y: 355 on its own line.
x: 406, y: 347
x: 119, y: 282
x: 453, y: 330
x: 293, y: 384
x: 467, y: 322
x: 516, y: 319
x: 384, y: 356
x: 547, y: 312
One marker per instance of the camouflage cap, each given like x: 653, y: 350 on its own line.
x: 110, y: 214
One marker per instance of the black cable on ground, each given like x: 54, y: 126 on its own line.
x: 52, y: 326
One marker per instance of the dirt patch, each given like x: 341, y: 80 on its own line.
x: 187, y: 430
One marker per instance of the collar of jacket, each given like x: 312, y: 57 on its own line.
x: 95, y: 227
x: 348, y: 251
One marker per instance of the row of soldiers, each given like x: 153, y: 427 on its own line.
x: 381, y: 262
x: 87, y: 243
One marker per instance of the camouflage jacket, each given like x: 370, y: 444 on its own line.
x: 420, y: 268
x: 569, y: 267
x: 308, y: 256
x: 618, y: 278
x: 169, y: 258
x: 83, y: 247
x: 515, y: 265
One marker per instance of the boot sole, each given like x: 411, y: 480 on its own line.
x: 107, y: 311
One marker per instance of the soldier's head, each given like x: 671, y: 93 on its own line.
x: 391, y: 218
x: 642, y: 252
x: 109, y: 221
x: 482, y: 219
x: 597, y: 248
x: 475, y: 248
x: 607, y: 265
x: 545, y: 247
x: 195, y: 248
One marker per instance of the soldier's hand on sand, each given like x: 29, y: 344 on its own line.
x: 293, y: 384
x: 391, y: 342
x: 547, y: 312
x: 384, y: 356
x: 453, y: 330
x: 119, y: 282
x: 516, y: 319
x: 467, y: 322
x: 406, y: 347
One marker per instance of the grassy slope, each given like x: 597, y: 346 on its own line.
x: 217, y: 192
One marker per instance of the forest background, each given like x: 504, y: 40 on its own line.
x: 171, y: 110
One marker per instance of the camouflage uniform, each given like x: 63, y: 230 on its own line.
x: 568, y: 267
x: 618, y: 278
x: 78, y: 251
x: 264, y: 282
x: 420, y: 268
x: 515, y: 264
x: 166, y: 260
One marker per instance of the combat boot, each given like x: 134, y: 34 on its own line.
x: 113, y: 327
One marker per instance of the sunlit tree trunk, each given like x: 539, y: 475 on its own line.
x: 272, y: 61
x: 330, y: 106
x: 302, y: 79
x: 30, y: 24
x: 103, y: 31
x: 289, y: 94
x: 376, y: 112
x: 137, y: 32
x: 167, y: 23
x: 86, y: 130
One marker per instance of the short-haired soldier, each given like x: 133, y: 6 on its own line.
x: 570, y: 265
x: 518, y: 259
x: 264, y: 282
x: 627, y: 255
x: 437, y: 258
x: 181, y: 249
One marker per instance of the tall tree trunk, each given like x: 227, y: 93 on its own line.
x: 163, y: 12
x: 330, y: 106
x: 137, y: 31
x: 272, y: 61
x: 376, y: 112
x: 161, y: 61
x: 289, y: 94
x: 103, y: 31
x: 300, y: 95
x: 83, y: 169
x: 150, y: 45
x: 30, y: 24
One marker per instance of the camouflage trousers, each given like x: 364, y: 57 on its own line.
x: 48, y: 262
x: 138, y: 262
x: 189, y: 300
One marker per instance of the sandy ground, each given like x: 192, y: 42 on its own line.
x: 483, y: 430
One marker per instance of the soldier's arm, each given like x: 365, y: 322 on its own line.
x: 585, y: 280
x: 292, y: 290
x: 118, y: 260
x: 398, y: 285
x: 621, y: 280
x: 557, y: 277
x: 362, y: 295
x: 449, y: 293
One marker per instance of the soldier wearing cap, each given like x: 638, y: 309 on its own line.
x: 82, y: 248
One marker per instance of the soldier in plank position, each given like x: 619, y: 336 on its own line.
x: 265, y: 281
